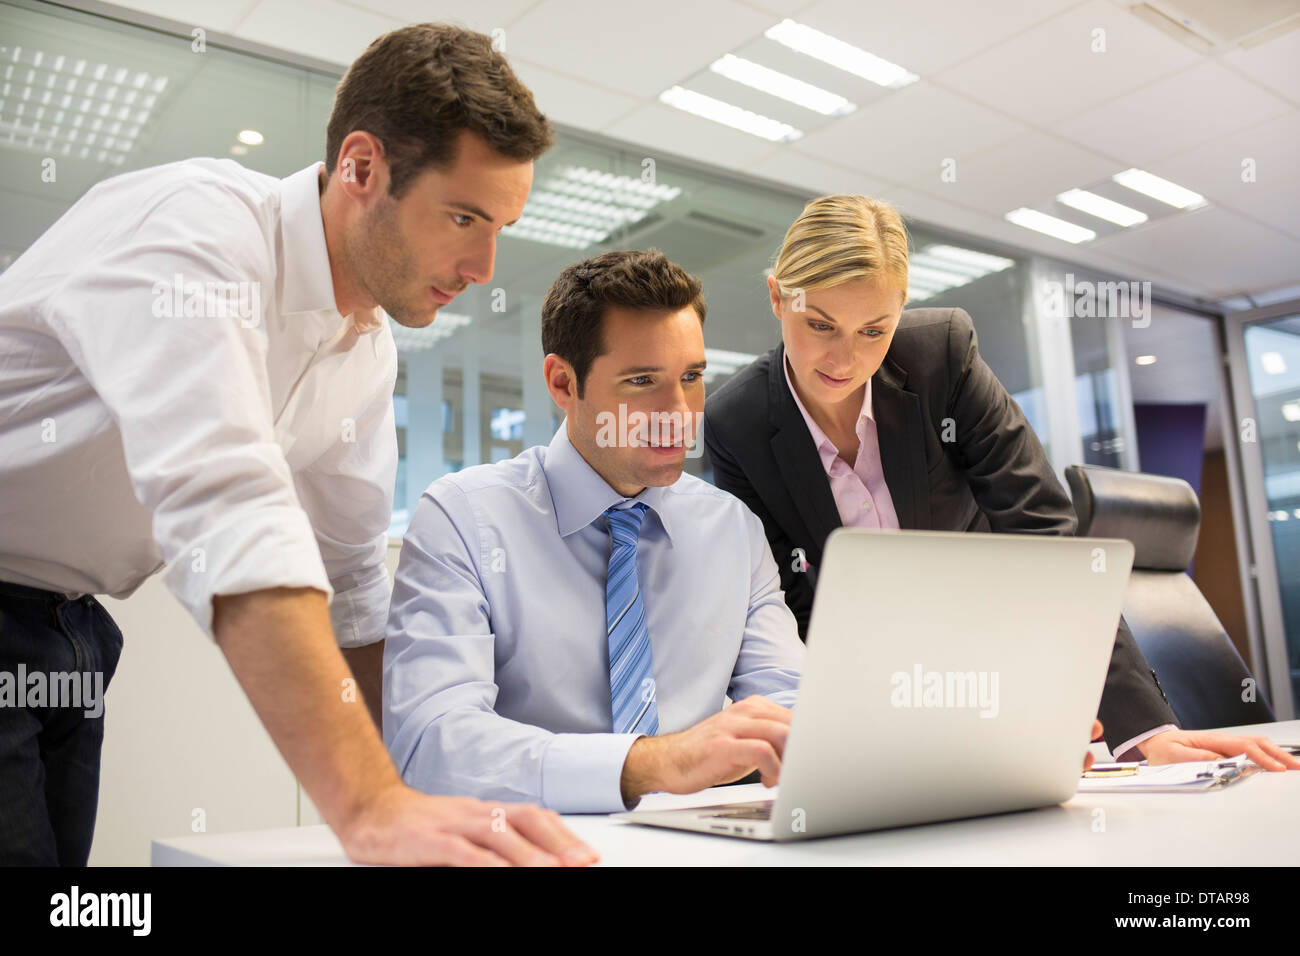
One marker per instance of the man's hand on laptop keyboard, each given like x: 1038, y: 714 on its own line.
x: 746, y: 736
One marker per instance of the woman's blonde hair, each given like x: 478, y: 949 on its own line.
x: 840, y: 238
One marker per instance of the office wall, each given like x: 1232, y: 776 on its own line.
x: 1214, y: 566
x: 182, y: 745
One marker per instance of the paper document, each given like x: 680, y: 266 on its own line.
x: 1166, y: 778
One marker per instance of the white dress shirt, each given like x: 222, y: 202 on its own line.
x: 179, y: 391
x: 496, y: 667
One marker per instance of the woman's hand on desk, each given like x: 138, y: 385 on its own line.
x: 1177, y: 746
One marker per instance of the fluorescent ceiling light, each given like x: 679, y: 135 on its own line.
x: 1273, y: 362
x: 1101, y: 207
x: 780, y: 84
x: 250, y: 137
x: 941, y: 267
x: 837, y: 53
x: 1291, y: 411
x: 924, y: 273
x: 417, y: 340
x: 728, y: 114
x: 1049, y: 225
x: 1139, y: 180
x: 623, y: 189
x: 551, y: 233
x: 579, y: 207
x: 63, y: 106
x: 967, y: 260
x: 724, y: 362
x: 1145, y: 360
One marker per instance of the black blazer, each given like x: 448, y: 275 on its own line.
x: 991, y: 476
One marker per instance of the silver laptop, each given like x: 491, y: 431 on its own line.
x: 948, y: 675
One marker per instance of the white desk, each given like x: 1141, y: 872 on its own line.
x: 1250, y: 823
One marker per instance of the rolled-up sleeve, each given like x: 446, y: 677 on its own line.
x: 440, y: 690
x: 190, y: 396
x: 770, y: 661
x: 348, y: 493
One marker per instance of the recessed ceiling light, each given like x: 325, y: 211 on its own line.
x: 787, y: 87
x: 1049, y: 225
x: 1291, y: 411
x: 250, y: 137
x: 728, y: 114
x: 1101, y: 207
x: 1145, y: 360
x: 845, y: 56
x: 1139, y: 180
x: 1273, y: 362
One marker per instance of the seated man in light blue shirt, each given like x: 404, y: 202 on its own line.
x: 519, y: 582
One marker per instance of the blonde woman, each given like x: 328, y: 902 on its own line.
x: 870, y: 416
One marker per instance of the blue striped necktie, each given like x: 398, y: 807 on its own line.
x: 631, y: 665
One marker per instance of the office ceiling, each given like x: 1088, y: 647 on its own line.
x: 1014, y: 92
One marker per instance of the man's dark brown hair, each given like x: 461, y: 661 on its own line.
x: 574, y: 311
x: 416, y: 88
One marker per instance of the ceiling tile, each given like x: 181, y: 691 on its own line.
x: 1272, y: 63
x: 1228, y: 252
x: 221, y: 17
x: 636, y: 49
x: 910, y: 133
x: 481, y: 15
x: 907, y: 33
x: 788, y: 165
x: 1216, y: 171
x: 567, y: 100
x: 339, y: 33
x: 1050, y: 71
x: 1200, y: 105
x: 657, y: 127
x: 1020, y: 172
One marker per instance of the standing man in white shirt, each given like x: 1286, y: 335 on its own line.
x: 195, y: 379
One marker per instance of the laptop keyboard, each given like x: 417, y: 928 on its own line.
x: 745, y: 811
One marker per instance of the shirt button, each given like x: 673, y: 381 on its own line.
x: 866, y: 506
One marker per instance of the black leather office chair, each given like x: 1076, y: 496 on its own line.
x: 1202, y: 674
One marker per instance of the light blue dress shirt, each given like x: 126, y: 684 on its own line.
x: 496, y: 668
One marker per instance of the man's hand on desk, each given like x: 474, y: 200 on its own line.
x: 1176, y: 746
x: 1088, y: 758
x: 404, y: 827
x: 746, y: 736
x: 282, y: 650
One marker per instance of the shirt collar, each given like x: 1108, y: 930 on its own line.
x: 825, y: 447
x: 578, y: 492
x: 308, y: 284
